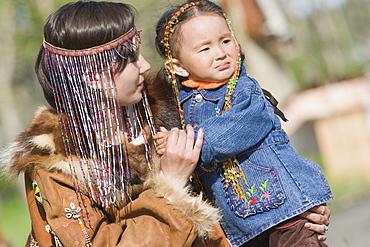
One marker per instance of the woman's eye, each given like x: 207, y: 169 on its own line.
x: 226, y: 41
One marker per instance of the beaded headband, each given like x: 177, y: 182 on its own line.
x: 132, y: 37
x: 94, y: 126
x: 168, y: 53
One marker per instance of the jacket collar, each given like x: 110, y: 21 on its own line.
x: 208, y: 94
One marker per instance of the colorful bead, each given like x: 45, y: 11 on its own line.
x: 56, y: 239
x: 37, y: 192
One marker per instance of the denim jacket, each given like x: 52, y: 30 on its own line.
x: 279, y: 184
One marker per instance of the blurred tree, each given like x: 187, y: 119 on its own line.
x: 21, y: 24
x: 330, y: 41
x: 8, y: 115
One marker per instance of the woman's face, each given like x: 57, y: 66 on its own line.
x: 130, y: 81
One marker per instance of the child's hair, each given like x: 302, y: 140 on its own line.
x: 203, y: 7
x: 82, y: 25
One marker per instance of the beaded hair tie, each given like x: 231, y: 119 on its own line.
x: 233, y: 174
x: 168, y: 53
x: 94, y: 126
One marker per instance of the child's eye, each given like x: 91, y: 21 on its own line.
x: 226, y: 41
x: 204, y: 49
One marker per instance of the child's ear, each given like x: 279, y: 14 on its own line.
x: 176, y: 67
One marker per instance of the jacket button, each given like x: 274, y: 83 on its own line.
x: 198, y: 98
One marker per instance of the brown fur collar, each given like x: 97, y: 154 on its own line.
x: 40, y: 144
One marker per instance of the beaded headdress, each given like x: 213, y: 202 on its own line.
x: 233, y: 174
x: 94, y: 126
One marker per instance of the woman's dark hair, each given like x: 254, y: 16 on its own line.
x: 82, y: 25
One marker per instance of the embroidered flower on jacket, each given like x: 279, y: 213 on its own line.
x: 73, y: 211
x: 266, y: 195
x: 254, y: 200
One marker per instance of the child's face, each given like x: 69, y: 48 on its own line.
x: 130, y: 81
x: 207, y: 49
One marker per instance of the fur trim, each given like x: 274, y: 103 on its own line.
x: 203, y: 216
x: 41, y: 143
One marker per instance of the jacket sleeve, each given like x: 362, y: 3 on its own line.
x: 245, y: 124
x: 147, y: 221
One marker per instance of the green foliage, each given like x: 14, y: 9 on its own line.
x: 15, y: 223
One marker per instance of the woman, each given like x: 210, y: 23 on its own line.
x: 82, y: 159
x: 78, y: 157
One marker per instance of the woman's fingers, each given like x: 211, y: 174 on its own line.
x: 317, y: 228
x: 319, y: 215
x: 181, y: 154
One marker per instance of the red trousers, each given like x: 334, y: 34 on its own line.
x: 290, y: 233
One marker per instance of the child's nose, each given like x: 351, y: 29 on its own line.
x: 220, y: 53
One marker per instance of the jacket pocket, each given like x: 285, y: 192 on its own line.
x: 257, y: 190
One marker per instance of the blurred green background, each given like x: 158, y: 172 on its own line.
x: 314, y: 53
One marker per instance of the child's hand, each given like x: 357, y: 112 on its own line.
x: 161, y: 140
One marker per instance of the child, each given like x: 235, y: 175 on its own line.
x: 247, y: 167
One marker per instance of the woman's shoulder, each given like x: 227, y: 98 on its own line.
x: 39, y: 144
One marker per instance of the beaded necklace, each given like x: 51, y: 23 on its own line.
x: 232, y: 171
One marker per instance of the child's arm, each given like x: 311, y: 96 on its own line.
x: 241, y: 127
x: 161, y: 140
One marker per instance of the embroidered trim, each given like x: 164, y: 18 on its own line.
x: 292, y: 224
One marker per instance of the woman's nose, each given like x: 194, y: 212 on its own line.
x: 144, y: 65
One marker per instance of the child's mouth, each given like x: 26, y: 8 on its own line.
x: 223, y: 66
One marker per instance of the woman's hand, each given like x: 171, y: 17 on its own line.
x: 181, y: 154
x: 319, y: 216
